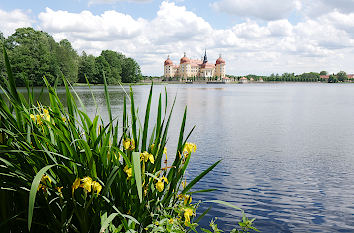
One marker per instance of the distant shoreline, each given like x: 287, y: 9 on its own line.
x: 177, y: 82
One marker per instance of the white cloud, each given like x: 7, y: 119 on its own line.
x: 274, y: 46
x: 11, y: 20
x: 316, y: 8
x: 175, y: 23
x: 324, y: 42
x: 108, y: 26
x: 261, y: 9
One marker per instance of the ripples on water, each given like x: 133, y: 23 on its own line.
x: 287, y: 150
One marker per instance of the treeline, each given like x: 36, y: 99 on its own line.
x: 305, y: 77
x: 34, y: 54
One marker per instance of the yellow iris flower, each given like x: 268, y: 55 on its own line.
x: 187, y: 199
x: 129, y: 144
x: 129, y: 171
x: 39, y: 117
x: 188, y: 212
x: 160, y: 186
x: 40, y: 186
x: 189, y: 147
x: 59, y: 189
x: 146, y: 156
x: 132, y: 144
x: 126, y: 143
x: 46, y: 114
x: 44, y: 178
x: 96, y: 187
x: 76, y: 184
x: 184, y: 183
x: 87, y: 183
x: 160, y: 183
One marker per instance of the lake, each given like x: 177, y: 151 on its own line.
x: 287, y: 149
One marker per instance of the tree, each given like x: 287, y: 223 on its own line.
x: 130, y: 71
x: 87, y: 66
x: 332, y: 79
x: 31, y: 55
x: 323, y: 72
x: 102, y: 69
x: 68, y: 60
x: 342, y: 76
x: 310, y: 75
x: 35, y: 54
x: 115, y: 61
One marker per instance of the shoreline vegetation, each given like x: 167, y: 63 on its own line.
x: 35, y: 54
x: 62, y: 171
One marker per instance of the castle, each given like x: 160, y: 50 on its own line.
x: 189, y: 69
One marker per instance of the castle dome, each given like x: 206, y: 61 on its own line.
x: 185, y: 59
x: 220, y: 61
x: 168, y: 61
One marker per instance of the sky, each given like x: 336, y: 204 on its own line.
x: 253, y: 36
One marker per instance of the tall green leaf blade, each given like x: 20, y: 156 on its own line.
x: 137, y: 174
x: 11, y: 78
x: 200, y: 176
x: 225, y: 204
x: 107, y: 99
x: 133, y: 118
x: 33, y: 192
x: 146, y: 123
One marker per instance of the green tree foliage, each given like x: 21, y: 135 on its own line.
x: 323, y: 72
x: 342, y: 76
x: 114, y: 61
x: 311, y: 75
x: 115, y: 66
x: 36, y: 54
x: 332, y: 79
x: 87, y: 66
x: 33, y: 53
x: 68, y: 60
x: 130, y: 71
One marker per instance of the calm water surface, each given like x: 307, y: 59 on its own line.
x: 287, y: 150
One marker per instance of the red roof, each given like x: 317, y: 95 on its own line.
x: 207, y: 65
x: 168, y: 62
x: 185, y: 59
x: 220, y: 61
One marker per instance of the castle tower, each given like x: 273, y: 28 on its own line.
x: 168, y: 68
x: 220, y: 68
x: 205, y: 59
x: 184, y: 67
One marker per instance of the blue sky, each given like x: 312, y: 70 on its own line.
x: 258, y: 36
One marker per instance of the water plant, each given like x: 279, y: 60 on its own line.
x: 61, y: 171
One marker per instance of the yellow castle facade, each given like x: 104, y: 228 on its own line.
x: 189, y: 69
